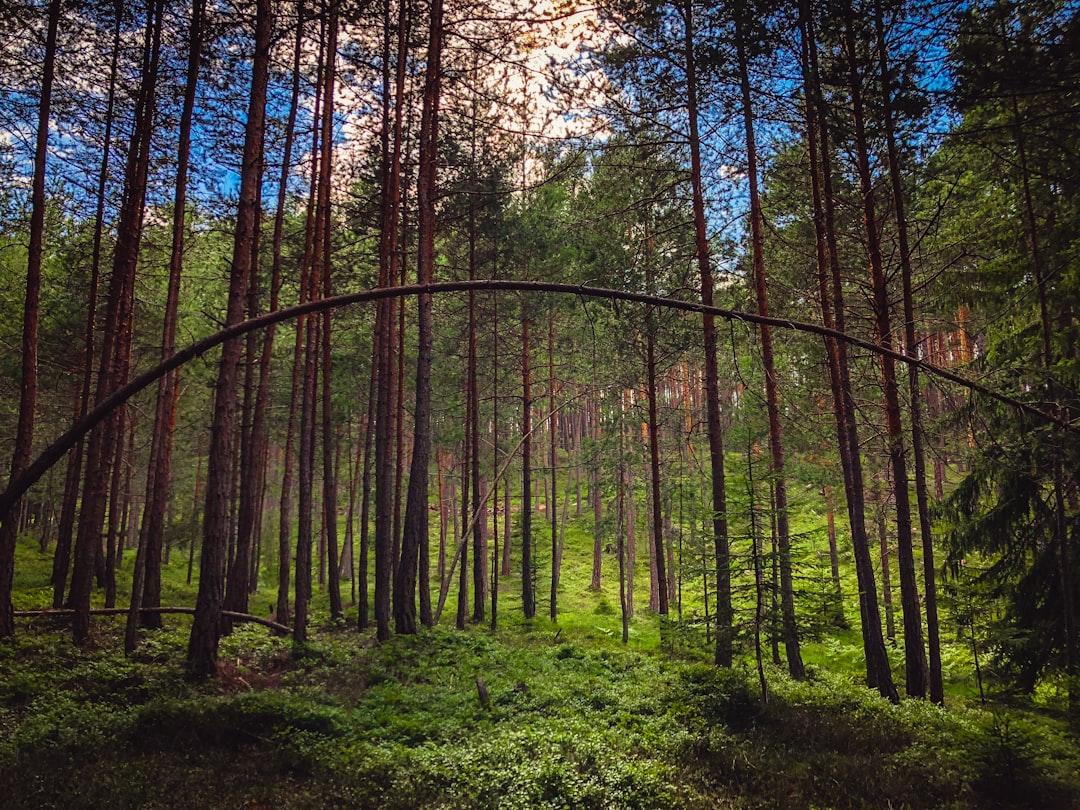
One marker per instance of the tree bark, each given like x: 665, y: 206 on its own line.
x: 115, y: 353
x: 24, y: 437
x: 776, y: 442
x: 415, y: 528
x: 911, y: 347
x: 831, y: 294
x: 914, y: 652
x: 206, y: 627
x: 724, y: 614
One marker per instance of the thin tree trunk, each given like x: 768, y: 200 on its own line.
x: 115, y: 354
x: 724, y: 613
x: 914, y: 652
x: 878, y: 672
x: 330, y: 489
x: 159, y: 467
x: 776, y: 443
x: 205, y: 629
x: 415, y: 529
x: 554, y: 500
x: 528, y: 598
x: 911, y: 347
x: 62, y: 553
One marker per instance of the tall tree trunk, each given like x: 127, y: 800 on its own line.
x: 362, y: 596
x: 776, y: 442
x: 24, y: 437
x: 281, y: 612
x: 724, y: 613
x: 206, y: 627
x: 330, y: 489
x: 831, y: 294
x: 914, y: 652
x: 528, y: 597
x: 554, y: 500
x: 660, y: 563
x: 911, y: 348
x: 384, y: 326
x: 62, y: 553
x: 159, y: 467
x: 415, y: 529
x: 595, y: 496
x: 115, y: 353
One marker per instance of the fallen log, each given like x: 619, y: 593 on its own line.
x: 239, y: 617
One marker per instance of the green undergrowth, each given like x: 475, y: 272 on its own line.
x: 345, y: 722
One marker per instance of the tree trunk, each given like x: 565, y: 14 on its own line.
x: 205, y: 629
x: 554, y: 500
x: 776, y: 444
x: 115, y: 354
x: 914, y: 653
x: 415, y: 529
x: 911, y: 347
x: 528, y: 598
x: 330, y: 489
x: 831, y: 294
x: 724, y: 614
x: 62, y: 553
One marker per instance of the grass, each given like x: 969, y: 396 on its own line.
x: 572, y: 718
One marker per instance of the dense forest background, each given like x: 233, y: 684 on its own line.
x: 747, y: 331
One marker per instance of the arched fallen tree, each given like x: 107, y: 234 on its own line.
x: 55, y: 451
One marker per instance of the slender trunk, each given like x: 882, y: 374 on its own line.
x: 776, y: 443
x: 878, y: 672
x: 115, y: 353
x: 724, y: 614
x: 62, y: 553
x: 330, y: 489
x: 528, y: 599
x: 620, y: 532
x: 463, y: 546
x: 914, y: 652
x: 205, y: 629
x: 595, y: 497
x: 837, y: 612
x: 554, y: 500
x: 881, y: 504
x: 911, y: 348
x: 415, y: 529
x: 365, y: 502
x: 24, y: 437
x: 657, y: 553
x: 238, y: 575
x: 495, y: 562
x: 385, y: 319
x: 159, y: 467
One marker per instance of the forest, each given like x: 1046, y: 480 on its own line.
x: 628, y: 404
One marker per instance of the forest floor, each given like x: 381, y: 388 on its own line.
x: 570, y: 718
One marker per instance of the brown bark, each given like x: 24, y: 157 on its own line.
x: 205, y: 629
x: 329, y: 440
x: 724, y: 614
x: 911, y: 347
x: 914, y: 652
x: 831, y: 294
x: 62, y: 553
x: 24, y: 436
x: 115, y: 354
x: 554, y: 500
x: 158, y: 469
x: 415, y: 529
x: 528, y: 598
x: 776, y: 442
x: 657, y: 546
